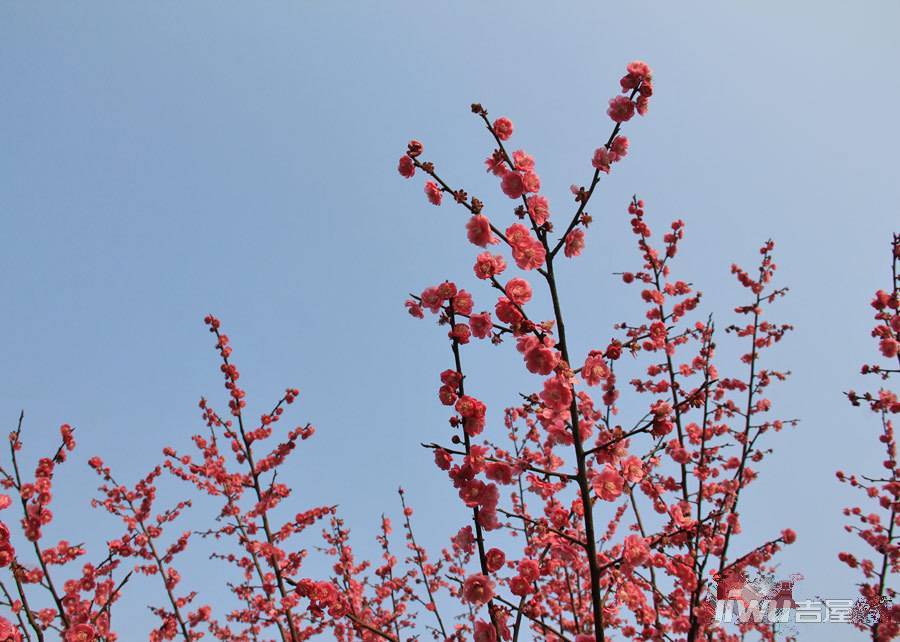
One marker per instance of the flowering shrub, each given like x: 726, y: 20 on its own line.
x: 876, y: 526
x: 603, y: 503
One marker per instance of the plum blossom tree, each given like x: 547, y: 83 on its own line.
x: 42, y: 604
x: 243, y: 475
x: 624, y: 517
x: 878, y: 526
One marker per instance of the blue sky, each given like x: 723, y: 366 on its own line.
x: 161, y: 161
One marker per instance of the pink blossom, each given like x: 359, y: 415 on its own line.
x: 481, y: 324
x: 642, y: 105
x: 488, y: 265
x: 526, y: 342
x: 633, y: 469
x: 595, y: 369
x: 479, y: 231
x: 574, y: 242
x: 529, y: 569
x: 503, y: 127
x: 881, y: 301
x: 640, y: 69
x: 469, y: 406
x: 518, y: 585
x: 662, y: 424
x: 406, y: 167
x: 531, y: 182
x: 477, y: 589
x: 638, y: 73
x: 539, y: 209
x: 507, y: 312
x: 8, y: 632
x: 432, y: 299
x: 464, y: 540
x: 540, y: 357
x: 447, y: 395
x: 621, y: 109
x: 557, y: 394
x: 451, y: 378
x: 529, y: 256
x: 495, y: 559
x: 476, y: 458
x: 513, y: 185
x: 485, y: 632
x: 80, y: 633
x: 460, y: 333
x: 523, y: 160
x: 462, y: 302
x: 414, y: 148
x: 635, y: 550
x: 518, y: 290
x: 473, y: 413
x: 677, y: 451
x: 528, y: 252
x: 601, y: 160
x: 608, y: 483
x: 518, y: 234
x: 619, y: 149
x: 443, y: 459
x: 496, y: 164
x: 414, y: 309
x: 433, y: 192
x: 499, y: 472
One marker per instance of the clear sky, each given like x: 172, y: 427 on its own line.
x: 164, y: 160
